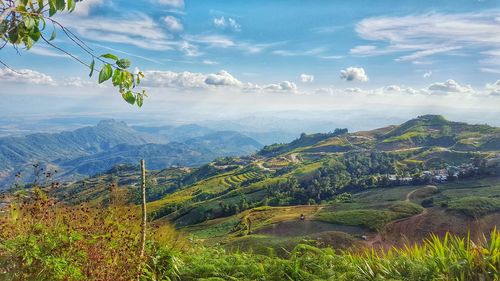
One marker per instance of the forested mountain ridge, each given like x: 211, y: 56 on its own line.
x: 90, y: 150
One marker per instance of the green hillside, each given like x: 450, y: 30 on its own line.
x: 362, y: 188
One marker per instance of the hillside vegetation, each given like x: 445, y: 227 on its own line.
x: 366, y: 185
x: 92, y: 150
x: 406, y: 202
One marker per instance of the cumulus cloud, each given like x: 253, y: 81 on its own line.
x: 353, y: 74
x: 173, y: 24
x: 306, y: 78
x: 285, y: 86
x: 396, y: 89
x: 170, y: 79
x: 427, y: 74
x: 26, y: 76
x: 222, y: 78
x: 228, y: 23
x: 353, y: 90
x: 450, y: 86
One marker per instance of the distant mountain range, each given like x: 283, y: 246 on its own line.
x: 90, y: 150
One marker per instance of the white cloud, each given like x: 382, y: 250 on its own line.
x: 353, y: 90
x: 172, y: 3
x: 218, y: 41
x: 209, y: 62
x: 285, y: 86
x: 138, y: 30
x: 354, y: 74
x: 79, y: 82
x: 222, y: 78
x: 432, y: 51
x: 219, y: 22
x: 84, y: 8
x: 493, y: 88
x: 396, y: 89
x: 173, y: 24
x: 427, y: 74
x: 224, y: 42
x: 331, y: 57
x: 189, y: 49
x: 363, y: 49
x: 490, y: 70
x: 228, y: 23
x: 449, y: 86
x: 392, y: 88
x: 170, y: 79
x: 26, y: 76
x: 306, y: 78
x: 42, y: 50
x: 310, y: 52
x: 432, y: 33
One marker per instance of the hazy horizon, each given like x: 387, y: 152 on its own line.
x: 350, y: 64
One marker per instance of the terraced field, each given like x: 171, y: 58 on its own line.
x: 236, y: 180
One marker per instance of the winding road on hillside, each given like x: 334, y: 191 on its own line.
x: 408, y: 196
x: 378, y: 239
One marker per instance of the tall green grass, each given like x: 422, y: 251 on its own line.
x: 449, y: 258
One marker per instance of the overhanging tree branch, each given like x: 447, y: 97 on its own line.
x: 22, y: 23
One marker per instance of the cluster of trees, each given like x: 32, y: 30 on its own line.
x: 234, y: 208
x: 303, y: 140
x: 353, y: 170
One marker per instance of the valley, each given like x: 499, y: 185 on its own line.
x: 379, y: 188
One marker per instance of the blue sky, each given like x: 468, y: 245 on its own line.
x: 243, y: 57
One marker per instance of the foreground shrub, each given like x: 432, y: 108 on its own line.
x: 41, y: 239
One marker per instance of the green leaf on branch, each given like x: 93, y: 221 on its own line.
x: 40, y: 5
x: 123, y: 63
x: 35, y: 34
x: 52, y: 7
x: 71, y: 5
x: 53, y: 35
x: 14, y: 35
x: 28, y: 42
x: 29, y: 22
x: 105, y: 73
x: 139, y: 100
x: 110, y: 56
x: 117, y: 77
x: 92, y: 64
x: 129, y: 97
x: 60, y: 5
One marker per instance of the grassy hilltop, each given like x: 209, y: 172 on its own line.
x: 376, y: 188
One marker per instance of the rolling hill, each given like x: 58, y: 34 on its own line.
x: 364, y: 188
